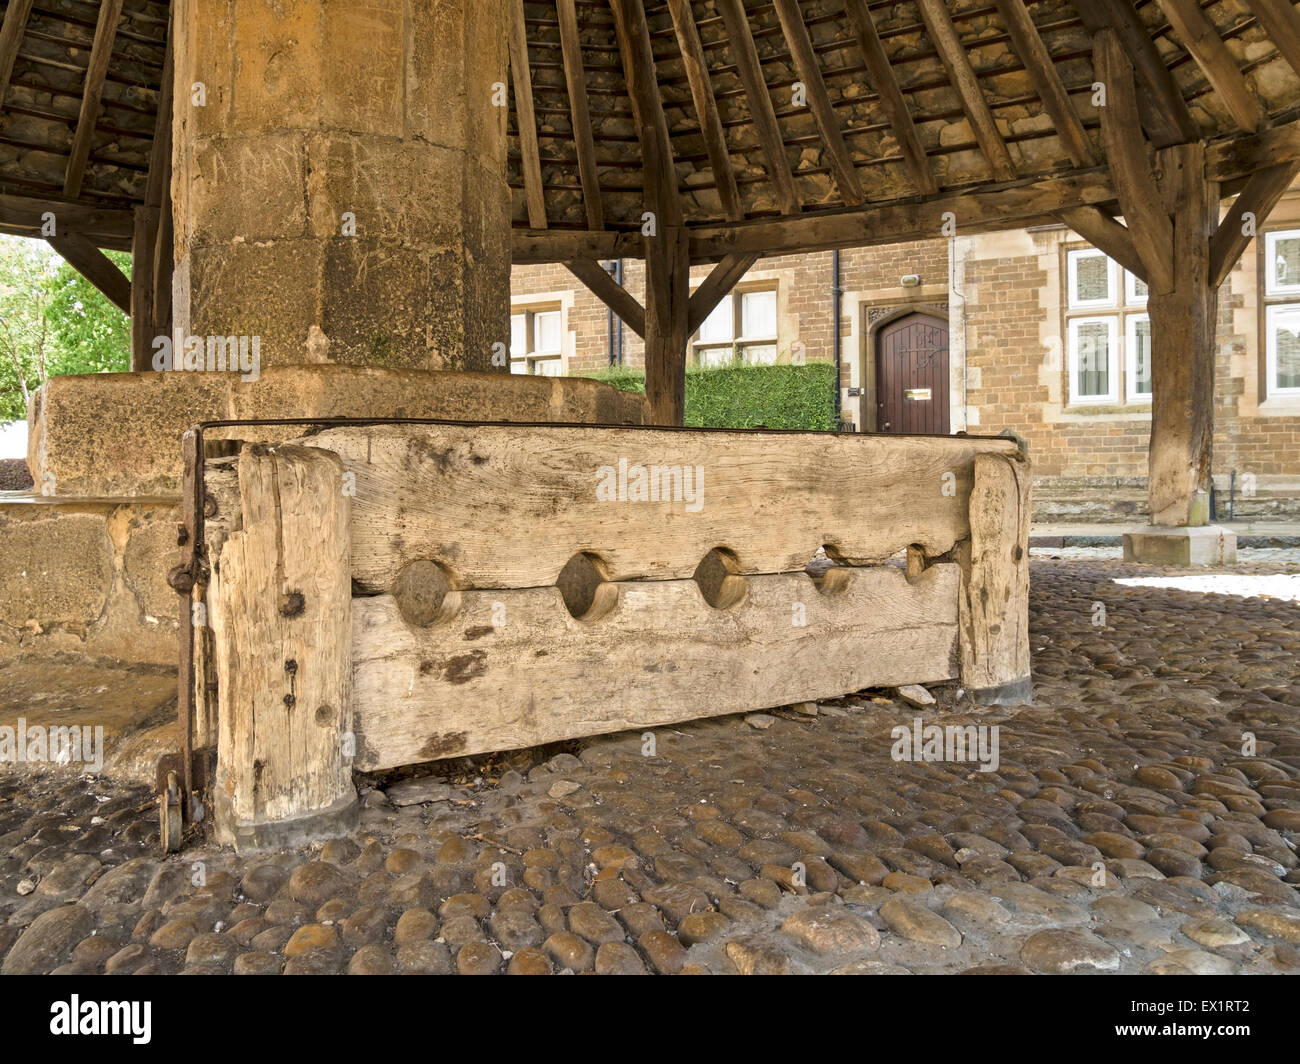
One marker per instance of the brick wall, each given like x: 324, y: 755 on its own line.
x: 1003, y: 294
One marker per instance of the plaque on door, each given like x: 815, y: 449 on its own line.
x: 917, y: 395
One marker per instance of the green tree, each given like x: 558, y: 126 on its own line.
x: 91, y: 335
x: 53, y: 321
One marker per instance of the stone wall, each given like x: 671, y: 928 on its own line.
x: 88, y: 578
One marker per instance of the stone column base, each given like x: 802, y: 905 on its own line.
x: 1182, y: 545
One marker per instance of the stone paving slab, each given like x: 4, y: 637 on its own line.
x: 1143, y: 816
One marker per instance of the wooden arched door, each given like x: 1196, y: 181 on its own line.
x: 912, y: 375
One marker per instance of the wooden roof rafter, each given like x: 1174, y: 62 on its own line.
x: 908, y: 108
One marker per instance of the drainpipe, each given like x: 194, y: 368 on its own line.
x: 836, y: 293
x: 609, y: 267
x: 618, y: 279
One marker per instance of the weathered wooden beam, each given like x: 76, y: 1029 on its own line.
x: 741, y: 42
x: 1182, y: 346
x: 1229, y: 160
x: 994, y: 602
x: 666, y: 248
x: 575, y: 79
x: 1163, y: 109
x: 280, y: 601
x: 533, y: 682
x: 143, y: 326
x: 882, y: 80
x: 1051, y: 90
x: 1202, y: 40
x: 26, y: 217
x: 420, y: 488
x: 809, y: 69
x: 525, y: 117
x: 667, y: 311
x: 714, y: 288
x: 952, y: 53
x: 988, y: 210
x: 1258, y: 199
x: 11, y: 37
x: 1129, y: 164
x: 533, y: 246
x: 610, y: 292
x: 647, y: 109
x: 101, y: 54
x: 706, y: 108
x: 95, y: 267
x: 1281, y: 22
x: 160, y: 153
x: 1104, y: 233
x: 151, y: 278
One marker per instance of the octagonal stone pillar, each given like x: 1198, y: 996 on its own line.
x: 297, y: 119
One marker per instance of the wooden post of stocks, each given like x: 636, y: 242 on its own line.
x: 667, y: 311
x: 1182, y: 346
x: 281, y: 604
x: 993, y: 613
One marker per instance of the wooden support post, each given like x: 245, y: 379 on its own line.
x: 1182, y: 345
x: 144, y: 246
x: 281, y: 609
x: 667, y: 313
x: 993, y: 609
x: 158, y: 198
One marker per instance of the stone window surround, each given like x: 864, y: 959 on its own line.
x: 1127, y: 305
x: 1272, y: 400
x: 562, y: 301
x: 745, y: 286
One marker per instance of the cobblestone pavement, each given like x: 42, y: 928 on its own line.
x: 1127, y: 828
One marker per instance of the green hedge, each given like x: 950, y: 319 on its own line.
x: 744, y: 397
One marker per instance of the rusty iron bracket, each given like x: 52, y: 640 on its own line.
x: 171, y: 827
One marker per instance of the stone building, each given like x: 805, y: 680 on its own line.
x: 1016, y: 316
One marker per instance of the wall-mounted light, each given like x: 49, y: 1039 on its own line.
x: 911, y: 280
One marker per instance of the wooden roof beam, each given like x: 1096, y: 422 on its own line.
x: 101, y: 54
x: 1281, y: 22
x: 741, y: 42
x: 1038, y: 62
x: 714, y: 288
x: 11, y: 37
x: 647, y: 109
x: 986, y: 210
x: 808, y: 67
x: 1103, y: 232
x: 525, y: 117
x: 706, y: 108
x: 1163, y: 110
x: 952, y: 53
x: 610, y: 292
x: 1258, y: 198
x: 1129, y: 164
x: 575, y: 79
x: 891, y: 97
x: 1202, y: 40
x: 1229, y: 160
x: 95, y: 267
